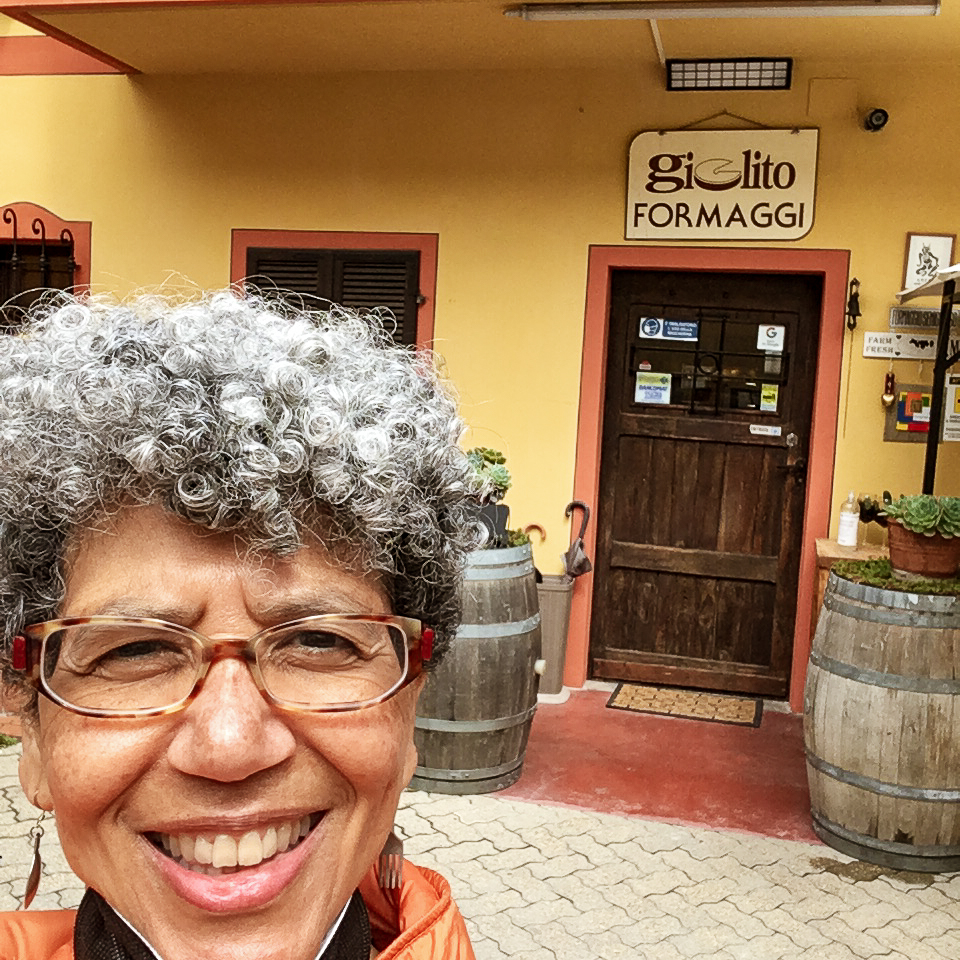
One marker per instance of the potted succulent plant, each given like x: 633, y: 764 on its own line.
x: 491, y: 468
x: 924, y: 535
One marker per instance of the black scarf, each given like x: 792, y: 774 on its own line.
x: 99, y: 934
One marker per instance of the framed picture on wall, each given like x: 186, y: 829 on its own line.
x: 926, y: 253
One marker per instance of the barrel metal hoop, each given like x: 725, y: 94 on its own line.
x: 917, y: 609
x: 499, y: 556
x: 891, y: 846
x: 479, y: 631
x: 881, y: 787
x: 906, y: 617
x: 475, y: 726
x: 479, y: 773
x: 877, y: 678
x: 503, y: 571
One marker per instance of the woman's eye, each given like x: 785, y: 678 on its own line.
x: 320, y: 640
x: 115, y: 656
x: 139, y: 648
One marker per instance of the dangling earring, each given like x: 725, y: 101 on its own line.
x: 33, y: 881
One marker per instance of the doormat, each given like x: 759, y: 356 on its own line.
x: 692, y: 704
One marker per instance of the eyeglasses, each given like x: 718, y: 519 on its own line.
x: 136, y: 667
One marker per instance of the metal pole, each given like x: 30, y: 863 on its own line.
x: 939, y: 382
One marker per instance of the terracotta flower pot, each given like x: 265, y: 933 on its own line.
x: 916, y: 555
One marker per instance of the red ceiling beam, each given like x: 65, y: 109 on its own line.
x: 54, y: 56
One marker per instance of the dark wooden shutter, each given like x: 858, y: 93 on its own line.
x: 361, y: 279
x: 30, y: 277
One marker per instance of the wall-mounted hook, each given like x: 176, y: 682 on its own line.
x: 853, y: 304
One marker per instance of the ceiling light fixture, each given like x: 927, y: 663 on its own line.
x: 722, y: 9
x: 740, y: 73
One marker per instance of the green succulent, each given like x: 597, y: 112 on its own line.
x: 489, y: 467
x: 949, y: 525
x: 517, y: 538
x: 926, y: 514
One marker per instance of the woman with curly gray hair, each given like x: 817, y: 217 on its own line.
x: 230, y: 541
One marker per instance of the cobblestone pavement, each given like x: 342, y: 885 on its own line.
x: 550, y: 883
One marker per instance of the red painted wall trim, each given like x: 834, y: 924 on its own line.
x: 44, y: 56
x: 833, y: 266
x: 426, y: 243
x: 82, y: 231
x: 60, y: 36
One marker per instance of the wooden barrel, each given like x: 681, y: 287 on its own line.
x: 882, y: 726
x: 475, y: 711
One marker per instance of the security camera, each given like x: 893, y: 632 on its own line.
x: 875, y: 120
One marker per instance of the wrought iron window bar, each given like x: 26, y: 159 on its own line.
x: 714, y: 364
x: 31, y: 266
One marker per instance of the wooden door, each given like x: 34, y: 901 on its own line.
x: 709, y: 395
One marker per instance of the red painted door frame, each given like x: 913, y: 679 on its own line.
x: 833, y: 266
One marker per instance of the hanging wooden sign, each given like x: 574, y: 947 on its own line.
x: 721, y: 184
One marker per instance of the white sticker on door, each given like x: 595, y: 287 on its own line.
x: 771, y: 337
x: 764, y: 430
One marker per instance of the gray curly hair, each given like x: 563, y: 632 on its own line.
x: 238, y: 414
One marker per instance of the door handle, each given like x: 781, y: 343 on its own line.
x: 797, y: 469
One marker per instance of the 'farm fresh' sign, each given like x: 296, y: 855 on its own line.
x: 721, y: 185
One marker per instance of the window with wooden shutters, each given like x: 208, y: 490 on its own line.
x: 361, y: 279
x: 30, y: 268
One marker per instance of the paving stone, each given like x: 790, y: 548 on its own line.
x: 597, y: 921
x: 662, y: 881
x: 510, y: 938
x: 648, y: 932
x: 542, y: 912
x: 868, y: 915
x: 531, y: 888
x: 832, y: 951
x: 815, y: 908
x: 608, y: 945
x: 918, y: 947
x: 948, y: 945
x: 559, y: 866
x: 674, y: 903
x: 800, y: 932
x: 706, y: 941
x: 552, y: 937
x: 764, y: 897
x: 660, y: 951
x: 696, y: 870
x: 748, y: 926
x: 709, y: 891
x: 493, y: 903
x: 511, y: 859
x: 613, y: 874
x: 594, y: 850
x: 863, y: 945
x: 580, y: 891
x: 776, y: 946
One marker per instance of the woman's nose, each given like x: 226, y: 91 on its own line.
x: 230, y: 732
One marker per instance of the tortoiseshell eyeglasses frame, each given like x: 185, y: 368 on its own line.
x: 28, y: 651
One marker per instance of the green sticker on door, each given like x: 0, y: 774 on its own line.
x: 769, y: 393
x: 652, y: 387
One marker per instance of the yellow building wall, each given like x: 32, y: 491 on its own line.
x: 518, y: 173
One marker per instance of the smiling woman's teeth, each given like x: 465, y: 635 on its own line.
x: 213, y: 854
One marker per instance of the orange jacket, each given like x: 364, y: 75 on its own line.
x: 425, y: 925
